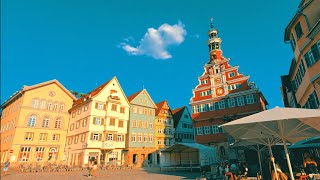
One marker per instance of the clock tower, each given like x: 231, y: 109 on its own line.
x: 222, y: 94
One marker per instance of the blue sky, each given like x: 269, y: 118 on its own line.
x: 80, y: 43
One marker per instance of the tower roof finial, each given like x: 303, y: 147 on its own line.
x: 211, y: 23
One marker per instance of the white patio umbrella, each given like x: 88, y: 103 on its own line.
x: 258, y: 145
x: 287, y: 124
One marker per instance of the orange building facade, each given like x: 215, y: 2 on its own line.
x: 222, y: 95
x: 34, y: 123
x: 301, y: 87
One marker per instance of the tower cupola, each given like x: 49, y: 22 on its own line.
x: 214, y: 43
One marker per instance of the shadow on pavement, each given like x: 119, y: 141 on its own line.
x: 183, y: 174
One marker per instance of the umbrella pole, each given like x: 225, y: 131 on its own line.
x: 259, y: 156
x: 288, y: 158
x: 274, y: 165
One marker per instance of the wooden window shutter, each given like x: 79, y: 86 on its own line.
x: 115, y: 137
x: 91, y: 136
x: 100, y: 136
x: 122, y: 137
x: 96, y: 105
x: 104, y: 107
x: 102, y: 121
x: 94, y: 120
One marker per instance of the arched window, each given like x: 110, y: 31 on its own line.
x: 35, y: 103
x: 32, y: 121
x: 45, y: 122
x: 43, y: 104
x: 49, y: 105
x: 57, y: 123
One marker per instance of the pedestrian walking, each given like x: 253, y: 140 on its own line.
x: 90, y: 167
x: 95, y: 167
x: 6, y: 167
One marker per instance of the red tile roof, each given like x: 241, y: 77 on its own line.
x: 131, y: 97
x: 90, y: 94
x: 159, y: 106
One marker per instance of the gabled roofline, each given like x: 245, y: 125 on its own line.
x: 144, y: 90
x: 28, y: 88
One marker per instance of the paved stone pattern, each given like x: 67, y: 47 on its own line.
x: 127, y: 174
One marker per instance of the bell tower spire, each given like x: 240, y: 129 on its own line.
x: 214, y: 42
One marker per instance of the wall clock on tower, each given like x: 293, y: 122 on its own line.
x: 219, y: 91
x: 218, y: 80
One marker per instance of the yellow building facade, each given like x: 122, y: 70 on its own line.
x: 164, y: 129
x: 98, y: 125
x: 301, y: 87
x: 34, y: 123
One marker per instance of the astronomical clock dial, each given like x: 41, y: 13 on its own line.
x: 218, y: 80
x: 219, y: 91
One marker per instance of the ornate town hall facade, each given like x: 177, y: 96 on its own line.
x: 222, y: 95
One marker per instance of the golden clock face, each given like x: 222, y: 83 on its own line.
x: 218, y: 80
x: 219, y: 91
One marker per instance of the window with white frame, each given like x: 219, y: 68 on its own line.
x: 221, y: 104
x: 49, y: 105
x: 133, y: 136
x: 169, y: 131
x: 95, y: 137
x: 61, y: 107
x: 199, y: 130
x: 110, y: 137
x: 119, y: 137
x: 250, y: 99
x: 57, y: 123
x: 39, y: 153
x: 28, y: 136
x: 135, y: 110
x: 139, y: 138
x: 159, y: 130
x: 100, y: 106
x: 159, y: 141
x: 159, y: 120
x: 45, y: 122
x: 231, y: 74
x: 84, y: 122
x: 24, y: 154
x: 145, y: 138
x: 231, y: 102
x: 55, y: 106
x: 98, y: 121
x: 211, y: 106
x: 43, y: 104
x: 215, y: 129
x: 207, y: 130
x: 151, y: 138
x: 55, y: 137
x: 151, y: 125
x: 240, y: 101
x: 35, y: 103
x: 43, y: 136
x: 32, y: 121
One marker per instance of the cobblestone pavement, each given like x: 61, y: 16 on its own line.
x: 132, y: 174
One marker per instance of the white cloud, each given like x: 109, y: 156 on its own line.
x: 156, y: 41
